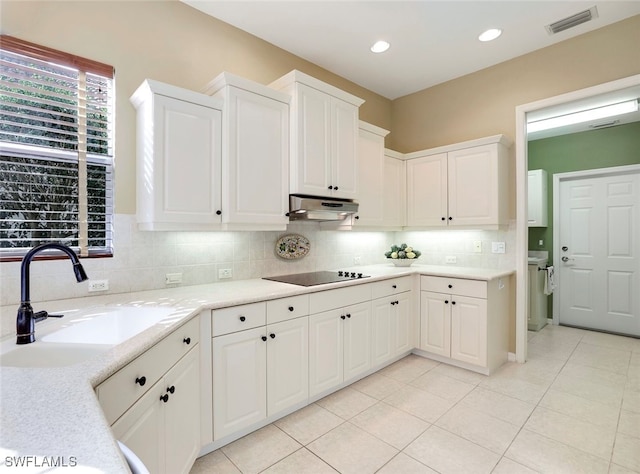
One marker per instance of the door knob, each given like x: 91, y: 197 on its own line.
x: 565, y: 248
x: 566, y: 259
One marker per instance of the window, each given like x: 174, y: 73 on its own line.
x: 56, y: 150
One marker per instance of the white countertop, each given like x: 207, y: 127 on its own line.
x: 53, y: 412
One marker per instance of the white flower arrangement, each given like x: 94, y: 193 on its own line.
x: 402, y: 251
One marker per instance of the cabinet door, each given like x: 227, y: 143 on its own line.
x: 239, y: 381
x: 256, y: 176
x: 394, y: 189
x: 344, y: 146
x: 325, y: 351
x: 401, y: 330
x: 357, y: 339
x: 383, y: 327
x: 473, y: 186
x: 141, y: 428
x: 287, y: 364
x: 370, y: 179
x: 311, y: 167
x: 427, y: 191
x: 186, y: 162
x: 469, y: 330
x: 182, y: 413
x: 537, y: 198
x: 435, y: 322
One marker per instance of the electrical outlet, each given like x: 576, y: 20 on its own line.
x: 540, y: 242
x: 477, y: 246
x: 173, y: 278
x: 498, y: 247
x: 98, y: 285
x: 224, y: 273
x: 450, y: 259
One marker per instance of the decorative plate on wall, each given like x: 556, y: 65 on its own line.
x: 292, y: 246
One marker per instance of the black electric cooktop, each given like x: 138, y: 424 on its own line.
x: 317, y: 278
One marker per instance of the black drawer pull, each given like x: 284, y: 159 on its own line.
x: 187, y: 340
x: 141, y: 380
x: 164, y: 398
x: 171, y: 389
x: 348, y: 316
x: 450, y: 286
x: 394, y: 286
x: 243, y: 319
x: 272, y: 336
x: 290, y: 308
x: 343, y: 317
x: 264, y: 338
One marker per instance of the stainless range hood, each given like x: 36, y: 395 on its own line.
x: 303, y: 207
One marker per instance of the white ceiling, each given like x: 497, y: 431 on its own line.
x: 431, y: 41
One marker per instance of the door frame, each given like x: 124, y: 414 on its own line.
x: 522, y: 228
x: 569, y: 176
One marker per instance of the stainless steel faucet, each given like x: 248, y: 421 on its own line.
x: 25, y: 322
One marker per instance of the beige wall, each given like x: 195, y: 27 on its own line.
x: 483, y: 103
x: 166, y: 41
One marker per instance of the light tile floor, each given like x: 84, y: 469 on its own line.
x: 574, y: 407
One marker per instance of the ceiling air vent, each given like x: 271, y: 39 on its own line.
x: 573, y: 20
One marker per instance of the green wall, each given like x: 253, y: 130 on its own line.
x: 615, y: 146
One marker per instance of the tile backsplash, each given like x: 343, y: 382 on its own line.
x: 142, y: 259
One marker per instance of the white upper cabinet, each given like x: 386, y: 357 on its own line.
x: 371, y: 176
x: 394, y: 190
x: 324, y: 137
x: 537, y: 198
x: 459, y: 185
x: 255, y: 153
x: 179, y: 146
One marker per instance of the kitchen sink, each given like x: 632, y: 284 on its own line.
x: 85, y: 334
x: 39, y: 354
x: 110, y: 325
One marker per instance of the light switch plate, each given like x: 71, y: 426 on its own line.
x: 172, y: 278
x: 477, y: 246
x: 450, y: 259
x: 224, y: 273
x: 498, y: 247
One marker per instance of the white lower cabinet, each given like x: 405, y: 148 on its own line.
x: 465, y: 321
x: 391, y: 325
x: 258, y: 372
x: 339, y: 346
x: 162, y: 428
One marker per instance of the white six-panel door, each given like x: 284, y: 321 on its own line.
x: 598, y: 262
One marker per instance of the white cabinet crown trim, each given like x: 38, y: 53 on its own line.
x: 501, y: 139
x: 372, y: 128
x: 298, y: 76
x: 227, y: 79
x: 150, y: 86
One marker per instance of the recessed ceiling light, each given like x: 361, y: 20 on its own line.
x: 490, y: 34
x: 380, y: 46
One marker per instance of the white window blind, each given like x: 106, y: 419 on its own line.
x: 56, y: 150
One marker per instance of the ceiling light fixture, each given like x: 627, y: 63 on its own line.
x: 490, y: 34
x: 380, y: 46
x: 584, y: 116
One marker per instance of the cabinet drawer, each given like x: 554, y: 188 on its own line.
x: 122, y: 389
x: 287, y: 308
x: 393, y: 286
x: 238, y: 318
x: 454, y: 286
x: 332, y: 299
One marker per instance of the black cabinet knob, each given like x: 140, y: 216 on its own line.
x: 450, y: 286
x: 171, y: 389
x: 187, y: 340
x: 141, y: 380
x: 393, y: 303
x: 330, y: 187
x: 444, y: 219
x: 397, y: 302
x: 343, y: 317
x: 357, y: 217
x: 264, y: 338
x: 290, y: 308
x: 450, y: 218
x: 446, y: 301
x: 453, y: 302
x: 394, y: 286
x: 243, y: 319
x: 164, y: 398
x: 218, y: 212
x: 272, y: 336
x: 349, y: 316
x: 335, y: 188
